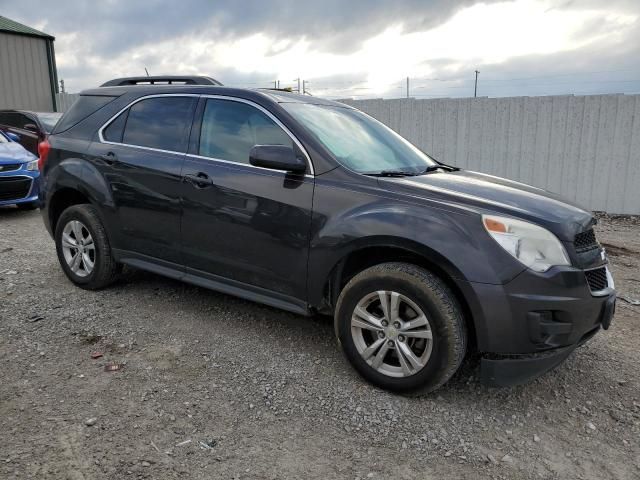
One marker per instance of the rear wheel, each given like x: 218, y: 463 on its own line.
x: 401, y: 327
x: 83, y: 248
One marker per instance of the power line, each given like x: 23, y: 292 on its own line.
x: 567, y: 74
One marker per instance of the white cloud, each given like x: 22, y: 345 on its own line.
x: 482, y: 34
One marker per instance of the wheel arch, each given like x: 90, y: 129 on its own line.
x: 61, y: 200
x: 363, y: 256
x: 72, y: 182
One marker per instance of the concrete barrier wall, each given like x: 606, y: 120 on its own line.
x: 586, y: 148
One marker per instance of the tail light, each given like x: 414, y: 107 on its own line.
x: 43, y: 152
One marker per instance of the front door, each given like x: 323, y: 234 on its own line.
x: 244, y: 224
x: 140, y: 155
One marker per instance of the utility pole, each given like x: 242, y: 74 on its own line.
x: 275, y: 84
x: 407, y: 87
x: 298, y: 80
x: 278, y: 87
x: 304, y: 87
x: 475, y: 89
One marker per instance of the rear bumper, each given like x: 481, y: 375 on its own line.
x: 531, y: 324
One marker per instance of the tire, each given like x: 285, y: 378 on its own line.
x: 27, y: 206
x: 416, y: 291
x: 105, y: 269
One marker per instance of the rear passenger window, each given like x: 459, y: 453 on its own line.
x: 160, y: 122
x: 231, y: 129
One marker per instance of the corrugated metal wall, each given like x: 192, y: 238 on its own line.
x: 586, y: 148
x: 24, y: 73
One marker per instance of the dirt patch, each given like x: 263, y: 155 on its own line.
x: 617, y: 250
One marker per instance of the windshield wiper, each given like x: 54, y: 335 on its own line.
x: 440, y: 166
x: 404, y: 173
x: 392, y: 173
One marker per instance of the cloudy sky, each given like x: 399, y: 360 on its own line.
x: 351, y: 48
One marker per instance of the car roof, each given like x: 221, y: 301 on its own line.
x: 277, y: 96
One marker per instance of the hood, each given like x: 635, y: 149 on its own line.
x: 489, y: 194
x: 13, y: 152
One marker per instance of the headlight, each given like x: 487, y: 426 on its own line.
x: 534, y: 246
x: 32, y: 166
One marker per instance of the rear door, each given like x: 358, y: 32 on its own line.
x: 243, y: 223
x: 140, y: 154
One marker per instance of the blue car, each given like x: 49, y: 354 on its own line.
x: 19, y: 174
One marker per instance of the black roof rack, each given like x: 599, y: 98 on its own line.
x: 162, y: 80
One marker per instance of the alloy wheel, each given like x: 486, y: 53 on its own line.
x: 78, y: 248
x: 391, y: 333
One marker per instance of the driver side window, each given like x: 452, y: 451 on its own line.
x: 231, y: 129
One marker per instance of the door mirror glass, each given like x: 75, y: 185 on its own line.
x: 277, y: 157
x: 32, y: 127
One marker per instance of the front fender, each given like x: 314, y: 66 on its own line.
x: 347, y: 220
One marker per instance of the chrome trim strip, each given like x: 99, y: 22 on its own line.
x: 217, y: 97
x: 271, y: 170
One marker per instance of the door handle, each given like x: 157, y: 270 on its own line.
x: 199, y: 180
x: 110, y: 158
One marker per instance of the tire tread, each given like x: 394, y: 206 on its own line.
x: 107, y: 269
x: 448, y: 306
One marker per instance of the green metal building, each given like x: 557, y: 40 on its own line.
x: 28, y: 77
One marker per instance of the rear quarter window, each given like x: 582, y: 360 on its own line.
x: 84, y: 106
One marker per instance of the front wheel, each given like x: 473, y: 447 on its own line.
x: 401, y: 327
x: 83, y: 248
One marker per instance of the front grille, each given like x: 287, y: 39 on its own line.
x: 597, y: 279
x: 14, y: 188
x: 10, y: 167
x: 585, y: 241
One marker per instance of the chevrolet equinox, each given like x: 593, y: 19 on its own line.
x: 314, y: 207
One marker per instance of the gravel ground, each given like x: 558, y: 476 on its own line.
x: 216, y: 387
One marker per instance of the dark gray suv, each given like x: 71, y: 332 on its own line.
x: 312, y: 206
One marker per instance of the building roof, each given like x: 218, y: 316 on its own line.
x: 11, y: 26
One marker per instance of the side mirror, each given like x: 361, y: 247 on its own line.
x: 31, y: 127
x: 277, y: 157
x: 14, y: 137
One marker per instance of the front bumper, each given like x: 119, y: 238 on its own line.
x: 509, y: 370
x: 19, y: 186
x: 531, y: 324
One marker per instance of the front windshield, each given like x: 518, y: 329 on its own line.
x: 358, y: 141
